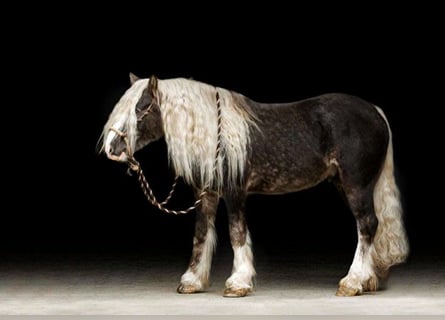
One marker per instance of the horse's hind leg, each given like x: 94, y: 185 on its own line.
x: 361, y: 276
x: 196, y: 278
x: 239, y: 284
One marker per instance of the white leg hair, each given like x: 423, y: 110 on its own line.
x: 361, y: 276
x: 196, y: 278
x: 243, y: 270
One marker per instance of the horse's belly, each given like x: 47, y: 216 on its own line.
x: 278, y: 186
x: 276, y: 181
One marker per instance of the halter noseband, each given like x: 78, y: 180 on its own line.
x: 132, y: 162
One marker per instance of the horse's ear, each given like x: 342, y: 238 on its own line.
x: 153, y: 85
x: 133, y: 78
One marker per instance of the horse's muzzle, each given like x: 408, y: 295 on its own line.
x: 115, y: 147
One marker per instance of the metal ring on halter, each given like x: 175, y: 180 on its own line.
x: 133, y: 164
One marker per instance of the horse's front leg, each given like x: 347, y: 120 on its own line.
x: 196, y: 278
x: 239, y: 284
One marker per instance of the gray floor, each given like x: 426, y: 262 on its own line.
x: 145, y: 284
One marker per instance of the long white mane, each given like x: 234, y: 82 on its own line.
x: 190, y: 123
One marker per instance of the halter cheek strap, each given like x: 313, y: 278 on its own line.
x: 147, y: 111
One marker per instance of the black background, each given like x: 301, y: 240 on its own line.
x: 69, y: 71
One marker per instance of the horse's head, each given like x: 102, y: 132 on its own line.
x: 135, y: 120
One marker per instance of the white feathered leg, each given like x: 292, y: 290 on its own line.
x: 361, y: 276
x: 196, y: 278
x: 240, y: 283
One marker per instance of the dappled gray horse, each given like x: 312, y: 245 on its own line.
x: 229, y: 146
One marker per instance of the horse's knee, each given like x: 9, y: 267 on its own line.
x: 238, y: 233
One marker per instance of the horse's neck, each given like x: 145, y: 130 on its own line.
x: 258, y: 108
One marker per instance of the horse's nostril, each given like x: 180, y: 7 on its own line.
x: 111, y: 150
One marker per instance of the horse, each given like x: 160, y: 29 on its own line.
x: 229, y: 146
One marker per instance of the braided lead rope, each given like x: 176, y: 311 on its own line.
x: 148, y: 192
x: 172, y: 190
x: 218, y: 134
x: 134, y: 165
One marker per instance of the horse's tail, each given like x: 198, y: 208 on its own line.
x: 390, y: 245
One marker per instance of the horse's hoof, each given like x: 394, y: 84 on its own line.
x: 236, y: 292
x: 347, y: 292
x: 372, y: 284
x: 187, y: 289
